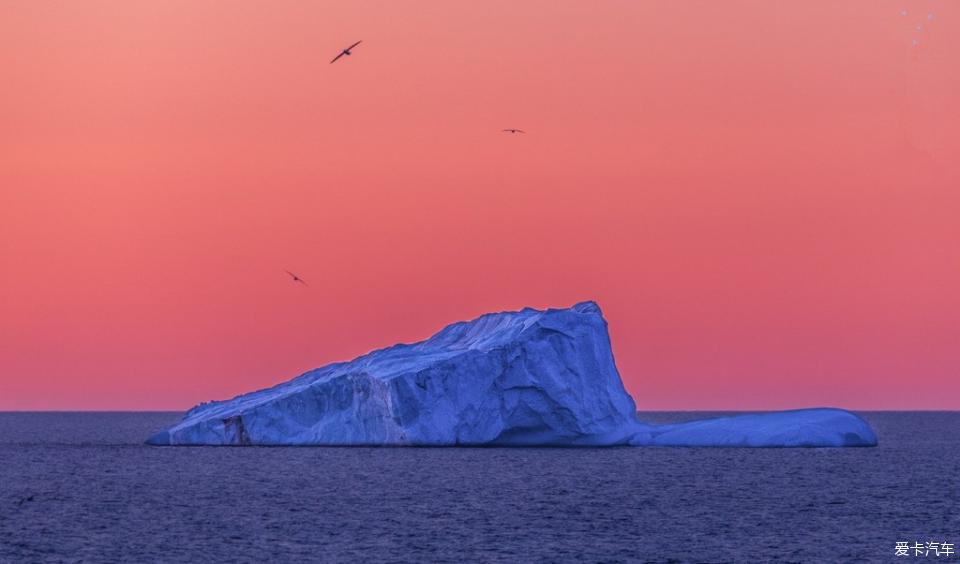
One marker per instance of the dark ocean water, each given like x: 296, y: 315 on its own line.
x: 83, y: 487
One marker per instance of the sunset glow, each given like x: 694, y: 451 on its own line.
x: 769, y: 217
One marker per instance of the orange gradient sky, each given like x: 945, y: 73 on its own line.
x: 764, y: 197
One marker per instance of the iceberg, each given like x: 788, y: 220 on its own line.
x: 816, y: 427
x: 524, y: 378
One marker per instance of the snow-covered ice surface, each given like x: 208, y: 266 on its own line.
x: 526, y: 378
x: 799, y: 428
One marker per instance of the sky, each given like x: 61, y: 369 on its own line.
x: 763, y: 197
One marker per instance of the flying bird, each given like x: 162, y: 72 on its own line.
x: 295, y: 277
x: 345, y: 51
x: 513, y: 131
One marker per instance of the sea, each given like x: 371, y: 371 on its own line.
x: 83, y: 487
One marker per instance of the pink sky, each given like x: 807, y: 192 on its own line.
x: 764, y: 197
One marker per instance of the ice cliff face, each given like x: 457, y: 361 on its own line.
x: 517, y: 378
x: 544, y: 378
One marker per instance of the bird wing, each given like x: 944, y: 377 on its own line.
x: 520, y: 131
x: 337, y: 57
x: 355, y: 44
